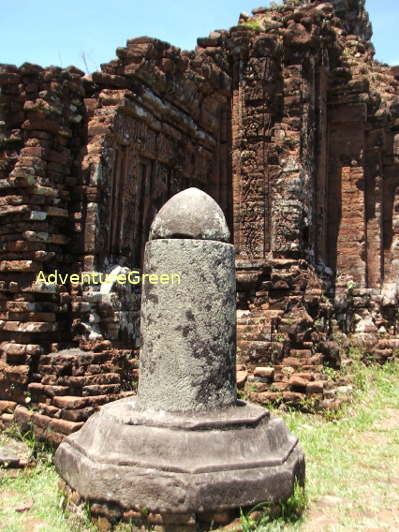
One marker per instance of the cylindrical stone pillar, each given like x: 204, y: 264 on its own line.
x: 187, y: 358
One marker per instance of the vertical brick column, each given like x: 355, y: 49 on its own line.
x: 374, y: 207
x: 255, y: 112
x: 347, y: 227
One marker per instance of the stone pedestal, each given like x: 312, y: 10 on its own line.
x: 173, y: 463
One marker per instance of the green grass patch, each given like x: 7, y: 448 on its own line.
x: 352, y: 470
x: 252, y: 25
x: 352, y: 459
x: 36, y: 490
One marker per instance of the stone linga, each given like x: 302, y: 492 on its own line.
x: 185, y: 444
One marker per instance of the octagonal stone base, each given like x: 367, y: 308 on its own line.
x: 174, y: 463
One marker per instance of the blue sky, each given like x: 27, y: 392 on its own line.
x: 58, y: 32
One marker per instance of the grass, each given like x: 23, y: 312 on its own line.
x: 352, y: 461
x: 252, y: 25
x: 262, y: 516
x: 36, y: 487
x: 36, y: 490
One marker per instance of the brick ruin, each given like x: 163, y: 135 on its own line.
x: 286, y: 120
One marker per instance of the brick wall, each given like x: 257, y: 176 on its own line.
x: 285, y: 119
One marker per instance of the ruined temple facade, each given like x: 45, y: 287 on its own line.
x: 285, y: 120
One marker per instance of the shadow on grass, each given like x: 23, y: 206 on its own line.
x: 274, y: 517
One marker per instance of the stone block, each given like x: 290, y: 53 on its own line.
x: 315, y: 387
x: 266, y: 372
x: 7, y: 407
